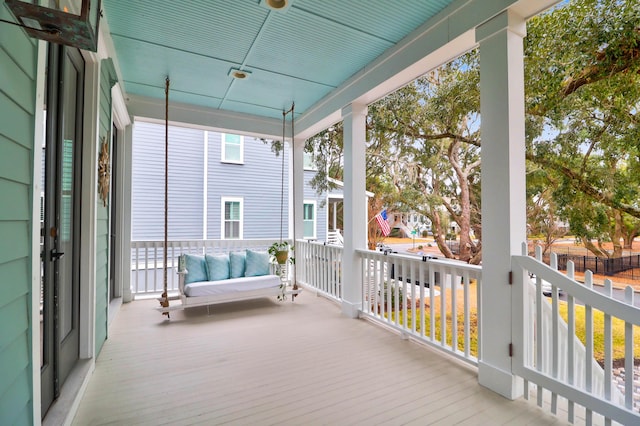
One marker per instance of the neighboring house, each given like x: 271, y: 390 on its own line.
x: 403, y: 224
x: 221, y: 186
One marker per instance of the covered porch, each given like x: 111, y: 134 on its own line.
x: 318, y: 359
x: 268, y: 362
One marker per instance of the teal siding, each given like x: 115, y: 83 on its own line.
x: 18, y: 58
x: 102, y: 220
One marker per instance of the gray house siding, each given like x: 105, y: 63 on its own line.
x: 186, y: 187
x: 18, y: 60
x: 257, y: 182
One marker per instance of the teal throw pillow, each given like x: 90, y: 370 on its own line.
x: 196, y: 268
x: 218, y: 267
x: 236, y: 264
x: 257, y: 264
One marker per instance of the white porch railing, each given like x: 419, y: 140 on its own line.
x: 334, y: 237
x: 551, y: 356
x: 147, y: 259
x: 430, y: 300
x: 319, y: 266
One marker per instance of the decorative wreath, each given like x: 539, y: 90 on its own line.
x: 103, y: 171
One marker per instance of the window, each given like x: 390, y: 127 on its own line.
x: 308, y: 161
x: 231, y: 218
x: 309, y: 219
x: 232, y: 148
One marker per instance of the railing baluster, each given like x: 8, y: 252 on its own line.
x: 323, y: 269
x: 588, y: 318
x: 628, y: 353
x: 443, y: 307
x: 432, y: 295
x: 478, y: 278
x: 154, y: 250
x: 389, y: 287
x: 137, y: 248
x: 332, y: 278
x: 466, y: 311
x: 571, y: 331
x: 555, y: 336
x: 318, y: 274
x: 414, y: 280
x: 146, y: 267
x: 608, y: 350
x: 396, y: 291
x: 539, y: 330
x: 454, y: 311
x: 422, y: 305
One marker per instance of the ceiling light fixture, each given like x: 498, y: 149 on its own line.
x: 239, y: 74
x: 279, y: 5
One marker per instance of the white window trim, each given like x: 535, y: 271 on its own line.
x: 315, y: 219
x: 223, y: 201
x: 223, y: 146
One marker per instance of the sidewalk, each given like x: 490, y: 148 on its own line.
x: 616, y: 282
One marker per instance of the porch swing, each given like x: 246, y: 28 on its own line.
x: 222, y: 290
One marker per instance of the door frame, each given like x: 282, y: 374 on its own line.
x: 63, y: 353
x: 39, y: 129
x: 122, y: 250
x: 63, y: 409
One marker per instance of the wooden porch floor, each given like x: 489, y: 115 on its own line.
x: 265, y: 362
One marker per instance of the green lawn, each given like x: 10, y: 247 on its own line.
x: 617, y: 329
x: 598, y: 330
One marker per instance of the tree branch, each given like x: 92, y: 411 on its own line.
x: 579, y: 183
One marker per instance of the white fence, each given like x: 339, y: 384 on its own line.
x: 319, y: 266
x: 431, y: 300
x: 553, y: 359
x: 147, y: 272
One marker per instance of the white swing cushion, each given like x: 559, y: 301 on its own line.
x: 232, y: 285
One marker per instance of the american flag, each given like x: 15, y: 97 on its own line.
x: 381, y: 218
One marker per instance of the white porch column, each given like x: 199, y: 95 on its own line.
x: 125, y: 207
x: 355, y: 206
x: 334, y: 217
x: 503, y: 187
x: 296, y: 201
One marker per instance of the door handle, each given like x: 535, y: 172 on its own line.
x: 55, y: 254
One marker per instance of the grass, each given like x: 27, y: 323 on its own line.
x: 405, y: 317
x: 473, y: 327
x: 617, y: 329
x: 473, y: 320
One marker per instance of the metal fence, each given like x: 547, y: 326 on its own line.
x: 598, y: 265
